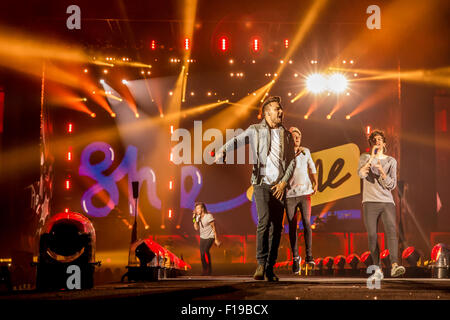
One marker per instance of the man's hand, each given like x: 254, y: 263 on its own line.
x: 217, y: 242
x: 278, y: 190
x: 218, y: 157
x: 380, y: 169
x: 314, y: 188
x: 365, y: 170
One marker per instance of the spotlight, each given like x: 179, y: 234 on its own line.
x: 86, y: 70
x: 385, y: 258
x: 366, y: 258
x: 319, y: 263
x: 231, y: 61
x: 113, y: 115
x: 124, y: 81
x: 329, y: 116
x: 316, y: 83
x: 339, y: 262
x: 67, y: 241
x: 306, y: 117
x: 353, y: 260
x: 93, y: 115
x: 337, y: 83
x: 347, y: 117
x: 411, y: 256
x: 328, y: 262
x: 105, y: 71
x: 440, y: 256
x: 102, y: 81
x: 136, y: 115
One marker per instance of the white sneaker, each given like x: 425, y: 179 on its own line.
x: 378, y: 274
x: 397, y: 271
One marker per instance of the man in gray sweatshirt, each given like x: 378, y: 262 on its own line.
x: 379, y: 174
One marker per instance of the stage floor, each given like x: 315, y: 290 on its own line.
x: 245, y: 288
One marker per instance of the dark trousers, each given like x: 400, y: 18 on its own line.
x: 304, y: 204
x: 205, y: 256
x: 270, y: 223
x: 372, y: 212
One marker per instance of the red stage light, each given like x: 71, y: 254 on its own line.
x: 70, y: 128
x: 187, y: 44
x: 223, y: 44
x: 256, y: 44
x: 286, y: 43
x: 384, y: 254
x: 153, y: 45
x: 69, y: 156
x: 407, y: 252
x: 67, y: 184
x: 366, y: 258
x: 436, y: 251
x: 170, y: 213
x: 368, y: 129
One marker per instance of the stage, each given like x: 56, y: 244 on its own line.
x: 223, y: 288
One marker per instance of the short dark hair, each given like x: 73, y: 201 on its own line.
x: 202, y: 204
x: 268, y: 101
x: 375, y: 133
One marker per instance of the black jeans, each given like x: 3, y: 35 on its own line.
x: 372, y: 212
x: 205, y: 256
x: 270, y: 223
x: 304, y: 204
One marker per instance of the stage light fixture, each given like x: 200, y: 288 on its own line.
x: 256, y: 44
x: 328, y: 116
x: 368, y: 130
x: 137, y: 115
x: 113, y: 115
x: 440, y: 257
x: 318, y: 263
x: 223, y: 43
x: 353, y: 260
x: 366, y: 258
x: 316, y: 83
x: 187, y: 44
x: 306, y: 117
x: 170, y: 214
x: 86, y: 70
x: 347, y: 117
x: 102, y: 81
x: 105, y: 71
x: 67, y: 240
x: 124, y: 81
x: 153, y: 45
x: 385, y: 258
x: 337, y: 83
x: 286, y: 43
x: 70, y: 128
x: 328, y: 262
x: 339, y: 262
x: 231, y: 61
x: 411, y: 256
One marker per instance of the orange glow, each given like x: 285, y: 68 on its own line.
x: 170, y: 213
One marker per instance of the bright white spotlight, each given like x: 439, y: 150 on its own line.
x: 102, y: 81
x: 316, y: 83
x: 337, y: 83
x: 124, y: 81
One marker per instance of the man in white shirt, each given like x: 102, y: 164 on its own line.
x: 298, y: 195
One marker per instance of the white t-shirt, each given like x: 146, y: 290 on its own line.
x: 300, y: 183
x: 273, y: 165
x: 206, y: 230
